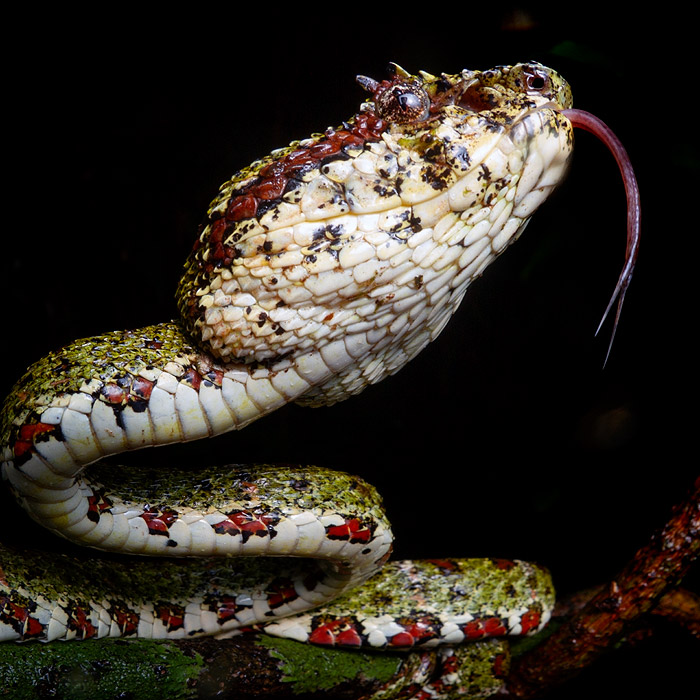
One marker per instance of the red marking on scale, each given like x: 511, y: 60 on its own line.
x: 98, y: 503
x: 340, y: 631
x: 172, y: 616
x: 114, y: 394
x: 282, y: 592
x: 215, y: 376
x: 226, y: 609
x: 20, y: 619
x: 402, y: 640
x: 242, y: 207
x: 349, y: 638
x: 323, y: 636
x: 127, y: 620
x: 142, y: 388
x: 28, y: 435
x: 193, y: 378
x: 414, y: 632
x: 271, y: 188
x: 248, y: 524
x: 485, y: 627
x: 32, y: 628
x: 159, y: 522
x: 530, y: 620
x: 352, y: 529
x: 78, y: 621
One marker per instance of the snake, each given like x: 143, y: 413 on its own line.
x: 319, y: 270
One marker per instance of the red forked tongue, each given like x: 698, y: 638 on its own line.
x: 585, y: 120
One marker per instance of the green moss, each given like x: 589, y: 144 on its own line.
x: 311, y: 669
x: 109, y: 669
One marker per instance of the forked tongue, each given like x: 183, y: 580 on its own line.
x: 591, y: 123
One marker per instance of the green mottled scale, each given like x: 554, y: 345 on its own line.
x: 448, y: 601
x: 103, y: 358
x: 319, y: 270
x: 218, y: 486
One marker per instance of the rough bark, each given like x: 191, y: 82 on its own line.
x: 617, y: 609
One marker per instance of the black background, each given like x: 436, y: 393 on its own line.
x: 506, y: 437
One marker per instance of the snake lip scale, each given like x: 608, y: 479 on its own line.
x: 319, y: 269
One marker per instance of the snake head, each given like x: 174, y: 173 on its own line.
x: 406, y: 99
x: 356, y: 245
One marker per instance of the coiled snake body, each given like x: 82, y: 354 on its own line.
x: 320, y: 269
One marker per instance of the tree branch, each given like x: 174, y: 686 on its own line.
x: 616, y: 608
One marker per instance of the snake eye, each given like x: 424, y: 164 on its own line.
x: 403, y: 103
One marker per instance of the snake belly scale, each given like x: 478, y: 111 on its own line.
x: 319, y: 270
